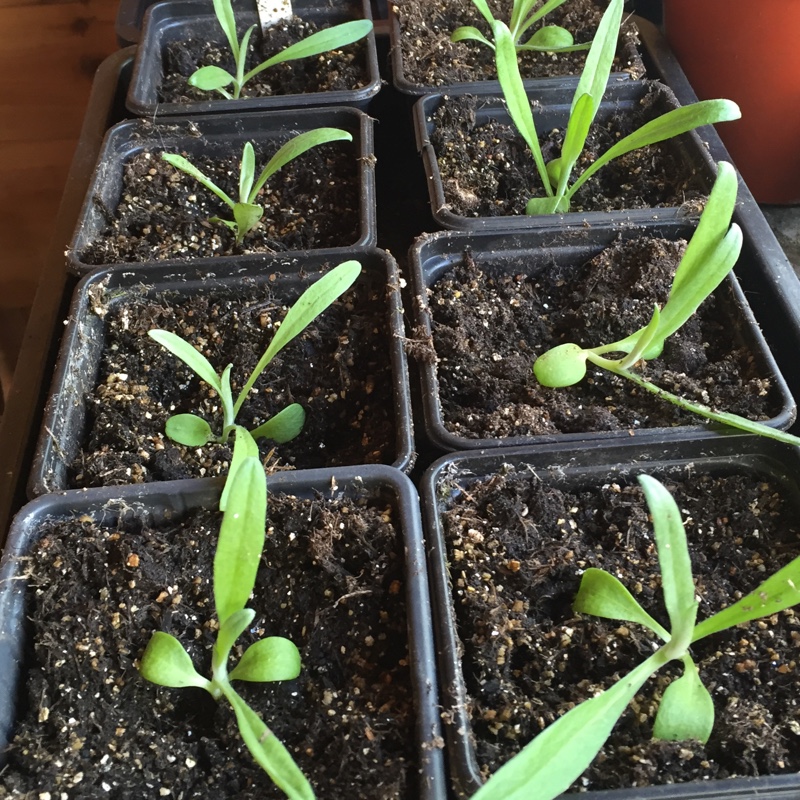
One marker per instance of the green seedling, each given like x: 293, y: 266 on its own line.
x: 550, y: 38
x: 246, y: 212
x: 555, y: 175
x: 216, y: 79
x: 165, y: 661
x: 194, y: 431
x: 708, y: 258
x: 556, y: 757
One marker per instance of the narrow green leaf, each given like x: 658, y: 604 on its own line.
x: 227, y: 222
x: 226, y: 398
x: 779, y: 591
x: 242, y: 61
x: 244, y: 446
x: 563, y: 365
x: 580, y: 120
x: 305, y: 310
x: 247, y: 173
x: 519, y: 108
x: 467, y: 32
x: 190, y: 356
x: 560, y: 753
x: 189, y: 430
x: 320, y: 42
x: 166, y: 663
x: 223, y: 9
x: 549, y: 39
x: 483, y: 7
x: 296, y: 147
x: 268, y: 751
x: 183, y: 164
x: 241, y: 538
x: 676, y: 567
x: 284, y: 426
x: 272, y: 659
x: 686, y: 710
x: 602, y: 595
x: 210, y: 79
x: 524, y: 10
x: 247, y: 216
x: 229, y: 631
x: 643, y: 340
x: 545, y: 205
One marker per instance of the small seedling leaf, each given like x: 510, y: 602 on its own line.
x: 247, y: 173
x: 270, y: 659
x: 183, y: 164
x: 597, y: 68
x: 210, y: 79
x: 223, y: 9
x: 247, y: 216
x: 189, y: 430
x: 229, y: 631
x: 643, y: 341
x: 468, y: 32
x: 193, y: 359
x: 244, y: 446
x: 564, y: 365
x: 546, y: 205
x: 580, y: 121
x: 520, y: 19
x: 549, y: 39
x: 686, y: 710
x: 603, y: 595
x: 483, y: 7
x: 166, y: 663
x: 284, y: 426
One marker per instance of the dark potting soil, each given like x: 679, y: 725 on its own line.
x: 339, y: 371
x: 312, y: 202
x: 487, y: 170
x: 331, y: 579
x: 517, y: 548
x: 490, y: 324
x: 431, y: 59
x: 344, y: 69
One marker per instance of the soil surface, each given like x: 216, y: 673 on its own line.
x: 344, y: 69
x: 339, y: 370
x: 487, y: 170
x: 164, y: 213
x: 431, y: 59
x: 517, y: 548
x: 490, y: 323
x: 331, y: 580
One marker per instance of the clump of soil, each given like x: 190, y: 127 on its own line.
x: 331, y: 579
x: 164, y: 213
x: 344, y: 69
x: 517, y: 548
x: 490, y: 322
x: 487, y: 170
x: 339, y: 370
x: 431, y: 59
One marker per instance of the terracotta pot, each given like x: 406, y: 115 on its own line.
x: 747, y: 52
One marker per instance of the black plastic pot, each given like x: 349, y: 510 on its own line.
x: 176, y: 20
x: 628, y: 52
x: 173, y: 500
x: 524, y: 253
x: 572, y: 468
x: 551, y: 110
x: 226, y: 134
x: 64, y: 424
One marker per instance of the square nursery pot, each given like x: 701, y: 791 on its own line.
x: 481, y: 173
x: 134, y: 197
x: 424, y: 60
x: 342, y: 575
x: 509, y: 534
x: 174, y: 23
x: 486, y: 305
x: 112, y: 392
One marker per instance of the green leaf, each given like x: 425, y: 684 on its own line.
x: 296, y: 147
x: 549, y: 39
x: 305, y: 310
x: 779, y: 591
x: 284, y: 426
x: 468, y: 32
x: 519, y: 108
x: 580, y: 121
x: 546, y: 205
x: 241, y: 538
x: 686, y: 710
x: 272, y: 659
x: 193, y: 359
x: 189, y: 430
x: 166, y: 663
x: 563, y: 365
x: 603, y: 595
x: 676, y: 566
x: 643, y: 340
x: 247, y: 216
x: 244, y: 446
x: 229, y: 631
x: 483, y: 7
x: 558, y: 755
x: 320, y: 42
x: 210, y: 79
x: 520, y: 21
x: 247, y: 173
x: 183, y: 164
x: 223, y: 9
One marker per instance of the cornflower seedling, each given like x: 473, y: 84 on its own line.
x: 247, y: 213
x: 194, y: 431
x: 555, y: 175
x: 216, y: 79
x: 708, y: 258
x: 556, y: 757
x: 550, y: 38
x: 165, y: 661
